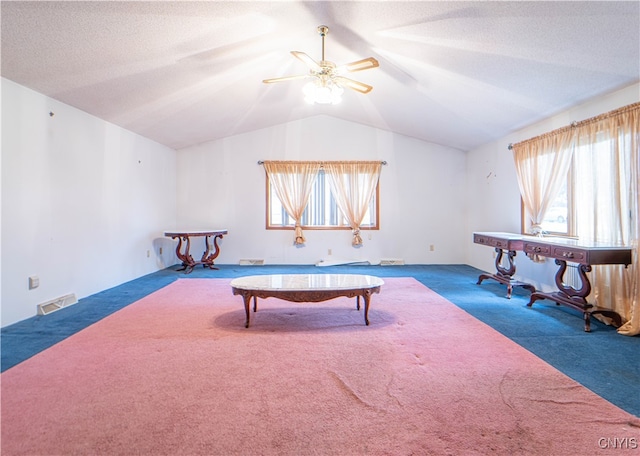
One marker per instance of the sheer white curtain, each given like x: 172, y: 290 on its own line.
x: 352, y: 185
x: 542, y: 164
x: 607, y: 182
x: 293, y: 182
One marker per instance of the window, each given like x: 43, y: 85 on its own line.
x: 321, y: 212
x: 598, y: 160
x: 588, y: 188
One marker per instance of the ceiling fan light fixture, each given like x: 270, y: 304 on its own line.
x: 328, y: 80
x: 322, y: 92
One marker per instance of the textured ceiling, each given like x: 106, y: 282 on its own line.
x: 454, y: 73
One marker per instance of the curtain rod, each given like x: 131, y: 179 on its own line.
x: 575, y: 124
x: 261, y: 162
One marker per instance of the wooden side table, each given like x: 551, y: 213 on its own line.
x: 208, y: 257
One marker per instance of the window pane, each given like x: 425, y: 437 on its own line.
x: 557, y: 216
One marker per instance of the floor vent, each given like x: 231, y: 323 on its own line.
x: 391, y: 262
x: 251, y: 262
x: 56, y: 304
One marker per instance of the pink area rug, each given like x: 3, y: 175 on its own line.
x: 178, y: 374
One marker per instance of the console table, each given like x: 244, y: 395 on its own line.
x: 503, y: 242
x: 188, y: 263
x: 585, y: 255
x: 306, y: 288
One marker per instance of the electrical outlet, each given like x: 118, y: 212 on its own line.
x: 34, y: 282
x: 148, y: 253
x: 432, y: 248
x: 329, y: 252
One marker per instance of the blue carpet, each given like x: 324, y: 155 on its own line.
x: 603, y: 361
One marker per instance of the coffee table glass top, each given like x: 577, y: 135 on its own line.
x: 300, y: 282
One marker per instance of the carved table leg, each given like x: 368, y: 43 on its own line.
x: 246, y: 297
x: 367, y: 298
x: 207, y: 259
x: 575, y: 298
x: 187, y: 260
x: 505, y: 275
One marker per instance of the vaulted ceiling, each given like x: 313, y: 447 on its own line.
x: 454, y: 73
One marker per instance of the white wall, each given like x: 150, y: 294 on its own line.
x: 494, y: 196
x: 82, y: 202
x: 422, y: 194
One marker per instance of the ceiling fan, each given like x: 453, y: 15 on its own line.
x: 328, y: 80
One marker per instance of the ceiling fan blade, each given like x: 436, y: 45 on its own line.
x: 304, y: 58
x: 285, y: 78
x: 355, y: 85
x: 360, y: 65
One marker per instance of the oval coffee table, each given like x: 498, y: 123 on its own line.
x: 306, y: 288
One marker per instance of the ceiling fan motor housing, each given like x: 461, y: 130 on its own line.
x: 327, y: 69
